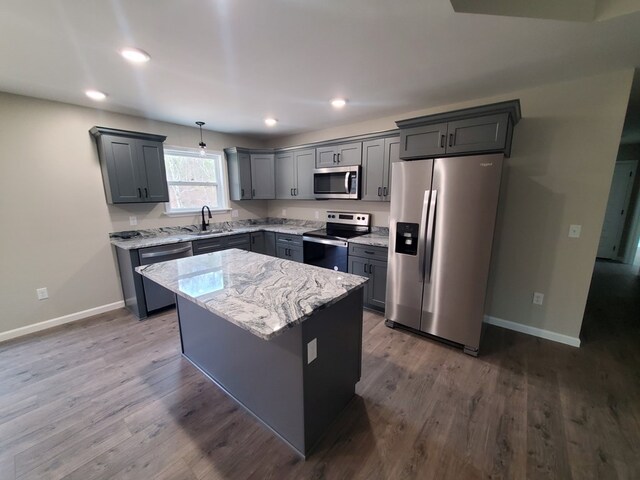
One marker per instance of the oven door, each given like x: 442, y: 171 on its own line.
x: 337, y: 182
x: 325, y: 253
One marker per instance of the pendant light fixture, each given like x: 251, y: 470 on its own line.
x: 202, y: 145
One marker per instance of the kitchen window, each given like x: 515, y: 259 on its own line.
x: 194, y: 180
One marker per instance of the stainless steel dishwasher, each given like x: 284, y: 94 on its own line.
x: 156, y: 296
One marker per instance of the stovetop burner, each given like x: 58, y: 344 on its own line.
x: 343, y: 226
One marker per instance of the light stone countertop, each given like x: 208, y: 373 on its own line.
x: 169, y: 235
x: 259, y: 293
x: 377, y: 238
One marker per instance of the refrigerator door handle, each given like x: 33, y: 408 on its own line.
x: 431, y: 233
x: 423, y: 233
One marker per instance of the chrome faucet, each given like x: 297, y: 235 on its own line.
x: 205, y: 224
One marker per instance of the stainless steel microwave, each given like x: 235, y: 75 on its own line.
x: 337, y: 182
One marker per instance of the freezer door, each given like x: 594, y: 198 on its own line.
x: 465, y: 200
x: 411, y: 187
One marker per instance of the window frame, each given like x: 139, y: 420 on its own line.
x: 221, y: 183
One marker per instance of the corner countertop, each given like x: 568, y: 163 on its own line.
x: 261, y: 294
x: 168, y: 235
x: 379, y: 237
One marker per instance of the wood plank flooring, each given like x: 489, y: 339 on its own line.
x: 111, y: 397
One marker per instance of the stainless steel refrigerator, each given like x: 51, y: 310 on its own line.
x: 441, y: 225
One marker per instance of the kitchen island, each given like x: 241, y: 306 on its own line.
x: 282, y: 338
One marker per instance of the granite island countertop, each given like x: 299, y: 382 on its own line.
x: 259, y: 293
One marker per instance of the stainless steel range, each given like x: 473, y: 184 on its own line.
x: 328, y: 247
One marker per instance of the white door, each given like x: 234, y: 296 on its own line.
x: 617, y: 207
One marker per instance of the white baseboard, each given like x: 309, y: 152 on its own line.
x: 536, y: 332
x: 54, y: 322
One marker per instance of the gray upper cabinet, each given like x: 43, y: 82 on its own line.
x: 285, y: 175
x: 263, y: 180
x: 484, y: 129
x: 372, y: 169
x: 377, y: 158
x: 305, y: 161
x: 477, y: 134
x: 239, y: 168
x: 294, y: 174
x: 132, y: 166
x: 342, y: 155
x: 424, y: 141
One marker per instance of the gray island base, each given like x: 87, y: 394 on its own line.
x: 294, y: 361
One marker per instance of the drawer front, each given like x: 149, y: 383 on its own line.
x: 289, y: 240
x: 163, y: 253
x: 238, y: 241
x: 378, y: 253
x: 207, y: 246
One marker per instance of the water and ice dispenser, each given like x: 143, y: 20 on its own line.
x: 407, y: 238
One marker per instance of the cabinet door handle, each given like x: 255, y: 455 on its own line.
x: 242, y: 193
x: 370, y: 268
x: 338, y: 158
x: 295, y: 192
x: 253, y: 192
x: 291, y: 193
x: 379, y: 191
x: 334, y: 158
x: 451, y: 139
x: 442, y: 141
x: 139, y: 192
x: 369, y: 253
x: 384, y: 191
x: 146, y: 192
x: 365, y: 268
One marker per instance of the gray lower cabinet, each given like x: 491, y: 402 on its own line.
x: 294, y: 174
x: 132, y: 164
x: 373, y: 265
x: 341, y: 155
x: 263, y: 180
x: 378, y: 156
x: 289, y: 247
x: 263, y: 242
x: 216, y: 244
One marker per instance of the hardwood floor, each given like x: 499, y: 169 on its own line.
x: 111, y: 397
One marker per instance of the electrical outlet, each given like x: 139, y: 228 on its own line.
x: 234, y: 213
x: 575, y: 231
x: 317, y: 214
x: 133, y: 220
x: 312, y: 350
x: 538, y: 298
x: 284, y: 212
x: 42, y: 293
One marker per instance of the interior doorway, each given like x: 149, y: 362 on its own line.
x: 612, y: 313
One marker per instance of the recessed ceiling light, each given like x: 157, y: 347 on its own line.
x: 135, y: 55
x: 95, y: 95
x: 270, y: 122
x: 338, y: 102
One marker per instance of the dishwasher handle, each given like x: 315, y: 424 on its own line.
x: 166, y: 253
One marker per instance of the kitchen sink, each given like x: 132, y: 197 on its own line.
x: 208, y: 232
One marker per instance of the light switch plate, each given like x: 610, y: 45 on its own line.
x: 234, y: 213
x: 133, y: 220
x: 312, y: 350
x: 284, y: 212
x: 575, y: 231
x: 42, y: 293
x: 317, y: 214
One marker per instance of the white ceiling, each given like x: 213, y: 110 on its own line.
x: 230, y: 63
